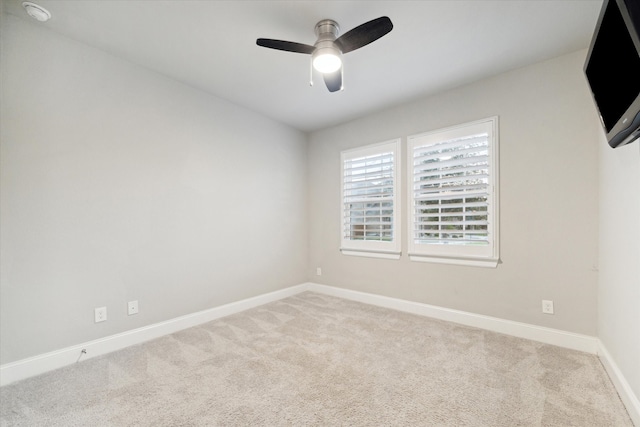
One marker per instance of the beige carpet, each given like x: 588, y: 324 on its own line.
x: 315, y: 360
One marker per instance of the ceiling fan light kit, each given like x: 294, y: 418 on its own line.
x: 326, y: 60
x: 326, y: 53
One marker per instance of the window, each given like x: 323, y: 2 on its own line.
x: 370, y: 201
x: 453, y: 212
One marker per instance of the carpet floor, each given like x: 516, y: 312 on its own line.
x: 316, y: 360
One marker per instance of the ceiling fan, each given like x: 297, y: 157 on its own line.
x: 326, y: 53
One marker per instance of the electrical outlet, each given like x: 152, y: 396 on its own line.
x: 318, y: 271
x: 132, y: 307
x: 100, y: 314
x: 547, y: 306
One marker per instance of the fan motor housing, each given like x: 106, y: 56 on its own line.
x: 327, y: 29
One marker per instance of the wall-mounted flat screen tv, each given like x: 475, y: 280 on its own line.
x: 612, y: 69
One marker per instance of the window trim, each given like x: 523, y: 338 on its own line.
x: 374, y: 249
x: 458, y: 254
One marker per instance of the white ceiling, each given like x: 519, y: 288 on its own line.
x: 434, y: 46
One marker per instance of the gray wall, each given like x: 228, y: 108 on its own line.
x: 549, y: 207
x: 619, y: 281
x: 120, y: 184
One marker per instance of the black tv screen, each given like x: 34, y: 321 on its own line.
x: 612, y: 69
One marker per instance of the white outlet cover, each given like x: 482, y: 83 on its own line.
x: 100, y: 314
x: 547, y: 306
x: 132, y: 307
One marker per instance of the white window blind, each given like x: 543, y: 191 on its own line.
x: 369, y: 208
x: 453, y: 194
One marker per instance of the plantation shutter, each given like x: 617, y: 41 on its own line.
x: 369, y: 193
x: 452, y: 178
x: 451, y: 191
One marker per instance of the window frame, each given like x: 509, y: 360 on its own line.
x: 460, y: 254
x: 373, y: 248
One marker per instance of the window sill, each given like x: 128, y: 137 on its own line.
x: 482, y: 262
x: 371, y: 254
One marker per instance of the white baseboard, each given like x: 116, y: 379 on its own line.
x: 36, y: 365
x: 32, y: 366
x: 625, y: 392
x: 585, y: 343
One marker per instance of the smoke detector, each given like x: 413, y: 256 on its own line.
x: 37, y: 12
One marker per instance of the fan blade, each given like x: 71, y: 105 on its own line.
x: 364, y: 34
x: 286, y: 46
x: 333, y: 80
